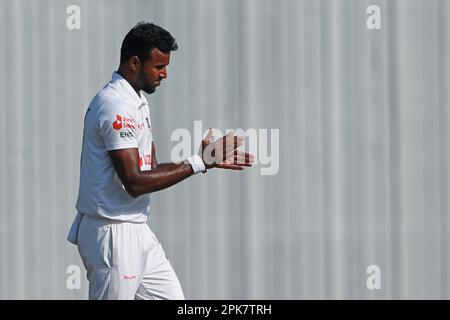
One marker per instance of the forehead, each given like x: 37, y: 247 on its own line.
x: 158, y: 57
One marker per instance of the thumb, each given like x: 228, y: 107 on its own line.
x: 209, y: 135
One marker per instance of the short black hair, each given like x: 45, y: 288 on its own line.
x: 143, y: 38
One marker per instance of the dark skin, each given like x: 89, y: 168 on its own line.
x: 147, y: 75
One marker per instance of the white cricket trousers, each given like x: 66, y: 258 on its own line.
x: 125, y: 261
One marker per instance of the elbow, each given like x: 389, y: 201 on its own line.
x: 132, y: 193
x: 132, y: 189
x: 137, y: 187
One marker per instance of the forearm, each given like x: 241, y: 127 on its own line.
x: 164, y: 176
x: 162, y: 165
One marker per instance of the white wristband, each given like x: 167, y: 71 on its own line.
x: 196, y: 163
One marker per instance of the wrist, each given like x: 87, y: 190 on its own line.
x: 196, y: 163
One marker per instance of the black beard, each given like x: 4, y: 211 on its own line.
x: 149, y: 89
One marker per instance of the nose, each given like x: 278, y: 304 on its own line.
x: 163, y: 73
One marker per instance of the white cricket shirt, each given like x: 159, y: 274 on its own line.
x: 117, y: 118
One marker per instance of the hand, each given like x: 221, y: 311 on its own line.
x: 223, y: 152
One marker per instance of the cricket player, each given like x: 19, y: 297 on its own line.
x: 118, y: 171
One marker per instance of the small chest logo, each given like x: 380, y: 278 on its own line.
x: 123, y: 122
x: 118, y: 123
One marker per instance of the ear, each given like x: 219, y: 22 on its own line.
x: 135, y: 63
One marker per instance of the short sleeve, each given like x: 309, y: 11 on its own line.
x: 116, y: 124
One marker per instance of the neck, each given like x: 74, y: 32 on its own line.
x: 127, y: 77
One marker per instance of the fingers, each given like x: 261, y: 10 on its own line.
x: 208, y: 137
x: 243, y: 161
x: 240, y: 154
x: 226, y: 138
x: 230, y: 144
x: 239, y: 160
x: 230, y: 138
x: 236, y: 142
x: 224, y: 153
x: 230, y: 167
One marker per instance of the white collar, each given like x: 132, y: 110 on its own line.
x: 128, y: 90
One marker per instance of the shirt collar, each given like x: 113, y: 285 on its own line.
x: 125, y: 87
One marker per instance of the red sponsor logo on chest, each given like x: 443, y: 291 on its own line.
x: 123, y: 122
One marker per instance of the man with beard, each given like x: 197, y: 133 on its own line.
x: 118, y: 171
